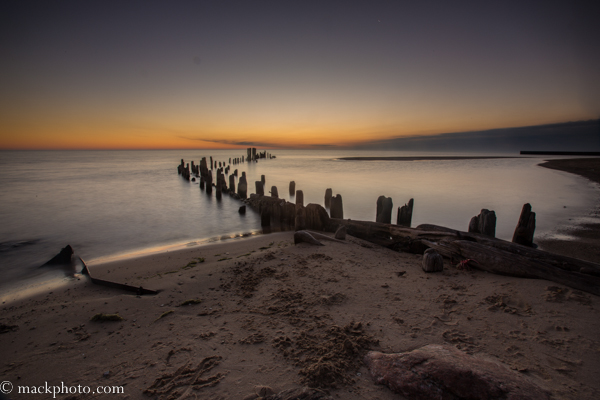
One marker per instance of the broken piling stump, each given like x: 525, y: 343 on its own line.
x: 484, y: 223
x: 337, y: 208
x: 328, y: 195
x: 384, y: 210
x: 525, y: 227
x: 405, y: 214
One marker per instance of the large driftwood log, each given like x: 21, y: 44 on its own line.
x: 503, y: 262
x: 491, y: 254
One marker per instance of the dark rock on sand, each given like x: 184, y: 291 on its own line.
x: 62, y: 258
x: 443, y: 372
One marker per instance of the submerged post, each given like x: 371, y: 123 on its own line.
x: 292, y: 188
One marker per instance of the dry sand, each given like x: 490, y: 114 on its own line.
x: 266, y: 312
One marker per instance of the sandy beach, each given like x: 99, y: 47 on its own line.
x: 248, y: 317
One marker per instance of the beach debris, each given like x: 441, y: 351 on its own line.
x: 444, y: 372
x: 384, y: 210
x: 274, y: 192
x: 299, y: 198
x: 62, y: 258
x: 328, y: 195
x: 135, y: 289
x: 484, y: 223
x: 337, y: 208
x: 164, y: 314
x: 525, y: 227
x: 340, y: 233
x: 404, y: 217
x: 101, y: 317
x: 292, y: 188
x: 242, y: 210
x: 432, y: 261
x: 191, y: 302
x: 305, y: 237
x: 464, y: 264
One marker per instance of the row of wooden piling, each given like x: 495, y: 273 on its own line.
x: 280, y: 212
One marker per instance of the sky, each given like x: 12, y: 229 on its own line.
x: 289, y: 74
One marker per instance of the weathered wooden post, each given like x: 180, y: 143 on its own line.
x: 274, y: 192
x: 232, y: 183
x: 328, y: 195
x: 263, y: 180
x: 292, y: 188
x: 219, y: 187
x: 404, y: 217
x: 265, y: 217
x: 249, y: 155
x: 209, y: 182
x: 484, y: 223
x: 259, y: 188
x: 299, y: 198
x: 300, y: 222
x: 432, y: 261
x: 337, y: 208
x: 243, y: 186
x: 254, y: 153
x: 201, y: 182
x: 384, y: 210
x: 211, y: 163
x: 525, y: 227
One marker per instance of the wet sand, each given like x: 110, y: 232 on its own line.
x: 583, y: 241
x: 235, y: 317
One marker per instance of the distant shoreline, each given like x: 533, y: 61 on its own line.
x: 428, y: 158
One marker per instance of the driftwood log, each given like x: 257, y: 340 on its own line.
x: 486, y: 253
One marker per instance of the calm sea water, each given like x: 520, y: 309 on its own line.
x: 106, y: 203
